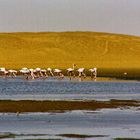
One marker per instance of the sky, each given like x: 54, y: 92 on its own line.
x: 114, y: 16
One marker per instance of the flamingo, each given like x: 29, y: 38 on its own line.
x: 125, y: 73
x: 81, y: 72
x: 70, y: 71
x: 12, y: 73
x: 4, y: 72
x: 93, y: 73
x: 49, y: 70
x: 32, y: 71
x: 25, y: 71
x: 17, y: 114
x: 44, y: 72
x: 38, y: 72
x: 59, y: 73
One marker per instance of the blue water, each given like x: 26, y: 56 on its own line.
x: 64, y: 89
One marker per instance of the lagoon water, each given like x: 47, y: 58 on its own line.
x: 105, y: 124
x: 54, y: 89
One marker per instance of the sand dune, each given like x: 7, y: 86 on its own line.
x: 54, y: 49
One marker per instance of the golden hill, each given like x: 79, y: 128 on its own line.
x: 52, y: 49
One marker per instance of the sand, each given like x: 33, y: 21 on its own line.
x: 62, y: 49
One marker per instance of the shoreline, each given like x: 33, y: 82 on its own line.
x: 62, y: 106
x: 77, y: 79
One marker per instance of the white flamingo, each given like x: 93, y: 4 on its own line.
x: 25, y: 72
x: 93, y: 73
x: 70, y: 71
x: 32, y: 71
x: 4, y: 72
x: 125, y: 73
x: 44, y: 72
x: 59, y: 73
x: 49, y: 70
x: 12, y: 73
x: 81, y: 72
x: 38, y: 72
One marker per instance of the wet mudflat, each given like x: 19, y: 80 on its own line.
x: 62, y: 106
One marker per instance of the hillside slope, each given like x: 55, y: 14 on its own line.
x: 87, y: 49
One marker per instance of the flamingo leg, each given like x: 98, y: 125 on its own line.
x: 14, y: 74
x: 32, y: 75
x: 73, y: 74
x: 45, y: 73
x: 84, y: 75
x: 70, y: 74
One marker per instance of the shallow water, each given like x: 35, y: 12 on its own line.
x: 107, y: 123
x: 54, y: 89
x: 104, y: 124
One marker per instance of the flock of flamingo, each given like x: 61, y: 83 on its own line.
x: 38, y: 72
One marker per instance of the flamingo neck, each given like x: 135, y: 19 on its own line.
x: 73, y: 66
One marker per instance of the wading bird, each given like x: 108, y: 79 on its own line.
x: 49, y: 71
x: 70, y: 71
x: 32, y: 71
x: 38, y: 72
x: 25, y: 72
x: 44, y: 73
x: 12, y: 73
x: 59, y: 73
x: 3, y: 72
x: 93, y: 73
x: 81, y: 73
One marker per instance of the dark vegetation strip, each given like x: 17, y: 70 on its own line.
x: 61, y: 106
x: 7, y: 135
x: 80, y: 136
x: 11, y: 135
x: 127, y: 139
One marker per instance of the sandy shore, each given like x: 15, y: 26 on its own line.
x: 54, y: 106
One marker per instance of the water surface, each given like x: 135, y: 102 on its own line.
x: 54, y: 89
x: 108, y: 123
